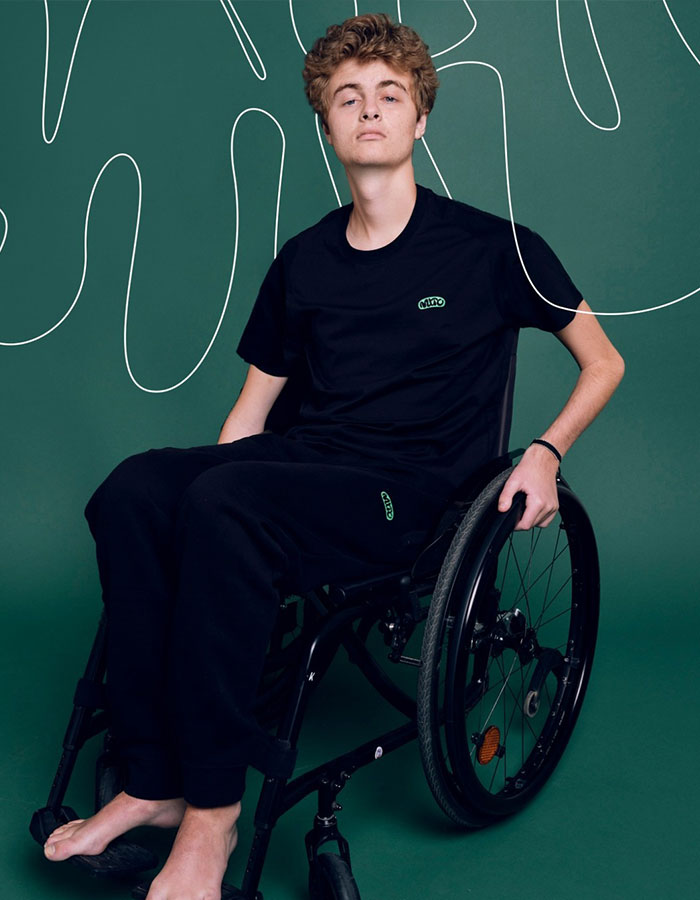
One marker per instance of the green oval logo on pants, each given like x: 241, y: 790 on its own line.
x: 388, y: 506
x: 431, y: 302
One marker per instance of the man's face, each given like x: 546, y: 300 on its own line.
x: 372, y: 119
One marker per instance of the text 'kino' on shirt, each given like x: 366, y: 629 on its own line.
x: 388, y: 506
x: 430, y: 302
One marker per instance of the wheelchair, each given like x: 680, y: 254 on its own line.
x: 509, y: 622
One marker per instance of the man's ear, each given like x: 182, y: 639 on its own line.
x: 421, y: 125
x: 326, y: 131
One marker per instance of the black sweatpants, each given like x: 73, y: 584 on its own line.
x: 195, y: 549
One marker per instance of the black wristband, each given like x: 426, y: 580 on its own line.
x: 549, y: 446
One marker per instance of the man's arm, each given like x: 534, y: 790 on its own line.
x: 255, y: 401
x: 602, y: 369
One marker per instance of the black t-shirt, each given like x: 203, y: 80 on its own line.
x: 405, y: 348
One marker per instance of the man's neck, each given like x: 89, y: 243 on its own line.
x: 382, y: 205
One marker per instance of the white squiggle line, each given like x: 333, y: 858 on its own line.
x: 133, y: 254
x: 680, y: 33
x: 460, y: 41
x: 325, y: 159
x: 321, y: 142
x: 46, y: 73
x: 294, y: 24
x: 435, y: 166
x: 593, y: 312
x: 240, y: 39
x: 602, y: 62
x: 7, y: 228
x: 233, y: 266
x: 70, y: 309
x: 75, y: 49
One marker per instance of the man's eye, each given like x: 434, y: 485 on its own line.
x: 349, y: 101
x: 393, y: 99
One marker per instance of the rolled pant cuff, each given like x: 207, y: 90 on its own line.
x: 207, y: 787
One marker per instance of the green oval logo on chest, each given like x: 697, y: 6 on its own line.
x: 388, y: 506
x: 431, y: 302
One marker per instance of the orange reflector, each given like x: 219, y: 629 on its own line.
x: 489, y: 745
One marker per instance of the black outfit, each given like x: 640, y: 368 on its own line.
x: 195, y: 549
x: 405, y: 348
x: 401, y: 351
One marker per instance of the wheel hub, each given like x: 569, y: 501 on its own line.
x: 510, y: 632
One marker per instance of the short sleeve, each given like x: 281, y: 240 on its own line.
x: 521, y: 306
x: 266, y: 341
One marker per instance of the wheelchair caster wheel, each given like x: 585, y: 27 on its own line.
x: 330, y: 878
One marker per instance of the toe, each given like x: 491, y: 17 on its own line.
x: 50, y: 849
x: 60, y: 850
x: 63, y: 830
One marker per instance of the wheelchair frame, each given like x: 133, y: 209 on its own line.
x: 330, y: 613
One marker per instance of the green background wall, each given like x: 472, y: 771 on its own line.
x: 164, y: 82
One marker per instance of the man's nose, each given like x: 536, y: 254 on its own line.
x: 370, y: 111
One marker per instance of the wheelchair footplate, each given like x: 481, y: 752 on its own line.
x: 120, y: 858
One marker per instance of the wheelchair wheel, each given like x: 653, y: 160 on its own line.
x: 330, y: 878
x: 507, y: 653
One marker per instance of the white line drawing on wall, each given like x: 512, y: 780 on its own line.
x: 602, y: 62
x: 294, y: 23
x: 135, y: 243
x: 452, y: 46
x: 7, y: 228
x: 46, y: 71
x: 593, y: 312
x: 263, y: 76
x: 225, y: 5
x: 680, y: 33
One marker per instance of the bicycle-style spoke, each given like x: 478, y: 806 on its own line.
x: 505, y: 565
x: 539, y: 623
x: 547, y: 691
x: 522, y: 585
x: 504, y: 741
x: 551, y: 570
x: 522, y: 701
x: 516, y: 706
x: 526, y: 613
x: 548, y: 568
x: 555, y: 617
x: 495, y: 702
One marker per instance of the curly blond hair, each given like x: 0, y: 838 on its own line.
x: 368, y: 37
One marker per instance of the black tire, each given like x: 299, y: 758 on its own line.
x: 507, y: 653
x: 330, y: 878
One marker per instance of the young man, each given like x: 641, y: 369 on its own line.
x: 398, y: 309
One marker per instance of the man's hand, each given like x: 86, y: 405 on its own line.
x: 535, y: 476
x: 601, y: 367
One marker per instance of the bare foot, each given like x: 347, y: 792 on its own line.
x: 88, y: 837
x: 197, y: 863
